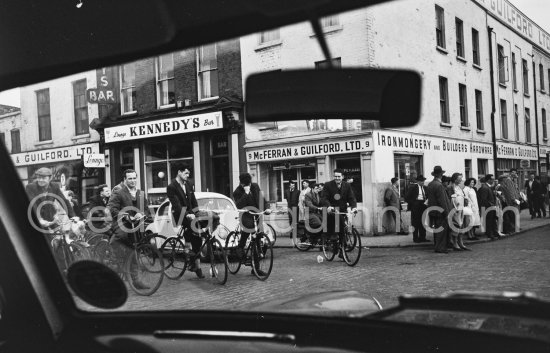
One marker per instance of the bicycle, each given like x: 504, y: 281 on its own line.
x: 142, y: 264
x: 349, y: 245
x: 260, y: 248
x: 306, y: 241
x: 177, y: 257
x: 69, y: 249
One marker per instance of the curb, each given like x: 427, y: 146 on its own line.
x: 424, y: 245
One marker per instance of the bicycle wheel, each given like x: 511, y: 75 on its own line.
x: 352, y: 247
x: 234, y: 261
x: 174, y: 258
x: 218, y: 261
x: 78, y: 252
x: 101, y: 251
x: 302, y: 243
x: 271, y: 233
x: 144, y: 269
x: 262, y: 257
x: 330, y: 247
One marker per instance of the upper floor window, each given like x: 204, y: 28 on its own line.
x: 330, y: 22
x: 128, y: 88
x: 475, y: 46
x: 15, y: 141
x: 516, y: 121
x: 440, y: 26
x: 541, y: 72
x: 81, y: 123
x: 269, y: 36
x: 444, y: 100
x: 514, y: 75
x: 479, y: 109
x: 544, y: 128
x: 548, y: 81
x: 459, y: 37
x: 527, y: 125
x: 2, y: 138
x: 207, y: 71
x: 165, y: 80
x: 501, y: 65
x: 325, y: 64
x: 463, y: 103
x: 503, y: 119
x: 525, y: 67
x: 43, y: 109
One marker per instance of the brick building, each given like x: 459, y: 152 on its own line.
x: 461, y: 57
x: 184, y: 106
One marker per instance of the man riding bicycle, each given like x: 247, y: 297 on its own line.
x: 127, y: 199
x: 248, y: 196
x: 184, y: 210
x: 337, y: 195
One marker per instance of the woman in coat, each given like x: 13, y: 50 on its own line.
x: 470, y: 195
x: 457, y: 196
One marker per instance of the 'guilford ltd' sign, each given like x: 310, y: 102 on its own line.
x: 512, y: 151
x: 172, y: 126
x: 54, y: 154
x: 309, y: 150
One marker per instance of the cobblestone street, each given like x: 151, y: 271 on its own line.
x: 516, y: 263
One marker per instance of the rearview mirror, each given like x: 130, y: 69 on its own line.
x: 390, y: 96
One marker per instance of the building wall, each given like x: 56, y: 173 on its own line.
x: 61, y: 113
x: 543, y: 102
x: 9, y: 122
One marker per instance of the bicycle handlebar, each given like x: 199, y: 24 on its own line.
x: 255, y: 213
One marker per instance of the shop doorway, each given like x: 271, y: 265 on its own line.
x: 298, y: 174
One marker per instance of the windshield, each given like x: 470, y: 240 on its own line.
x: 458, y: 202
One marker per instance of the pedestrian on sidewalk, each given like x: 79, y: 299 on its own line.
x: 539, y: 198
x: 391, y: 199
x: 439, y: 198
x: 487, y: 203
x: 471, y: 209
x: 511, y: 199
x: 417, y: 202
x: 533, y: 189
x: 292, y: 196
x: 458, y: 199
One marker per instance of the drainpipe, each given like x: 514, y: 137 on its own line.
x: 493, y: 108
x: 536, y: 113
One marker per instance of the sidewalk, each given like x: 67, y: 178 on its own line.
x: 396, y: 241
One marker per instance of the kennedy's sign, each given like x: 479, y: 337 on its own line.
x: 172, y: 126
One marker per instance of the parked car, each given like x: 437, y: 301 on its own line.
x: 164, y: 225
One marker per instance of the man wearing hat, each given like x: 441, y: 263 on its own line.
x: 439, y: 198
x: 42, y: 194
x: 416, y: 200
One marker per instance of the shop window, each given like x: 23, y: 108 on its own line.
x: 278, y: 176
x: 482, y: 167
x: 161, y: 160
x: 467, y: 168
x: 352, y: 174
x: 407, y: 167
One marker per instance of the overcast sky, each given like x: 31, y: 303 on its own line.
x: 536, y: 10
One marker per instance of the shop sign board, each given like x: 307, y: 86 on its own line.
x: 309, y: 150
x: 524, y: 163
x: 94, y: 160
x: 407, y: 169
x: 409, y: 142
x: 106, y: 91
x: 515, y: 151
x: 164, y: 127
x: 53, y: 155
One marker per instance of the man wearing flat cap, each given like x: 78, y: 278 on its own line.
x: 416, y: 199
x: 43, y: 194
x: 439, y: 198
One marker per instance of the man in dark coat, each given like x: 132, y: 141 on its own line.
x: 533, y: 189
x: 337, y: 195
x: 292, y: 196
x: 416, y: 199
x: 487, y: 206
x: 314, y: 209
x: 249, y: 196
x: 184, y: 210
x: 438, y: 197
x: 98, y: 216
x: 391, y: 199
x: 43, y: 193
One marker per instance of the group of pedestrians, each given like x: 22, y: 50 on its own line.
x: 456, y: 211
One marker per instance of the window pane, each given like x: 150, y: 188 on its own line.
x: 157, y: 175
x: 269, y: 36
x: 207, y: 58
x: 407, y: 168
x: 181, y: 149
x: 167, y: 94
x: 155, y: 152
x: 128, y: 75
x: 330, y: 21
x: 166, y: 66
